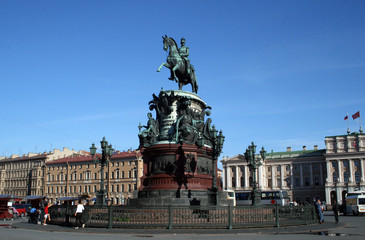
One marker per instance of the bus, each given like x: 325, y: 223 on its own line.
x: 355, y: 204
x: 281, y: 197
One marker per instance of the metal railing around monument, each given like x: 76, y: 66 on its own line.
x: 186, y: 217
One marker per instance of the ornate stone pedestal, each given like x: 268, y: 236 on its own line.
x: 177, y: 151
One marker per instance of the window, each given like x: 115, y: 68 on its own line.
x: 80, y: 176
x: 242, y: 181
x: 334, y: 177
x: 233, y: 182
x: 357, y: 177
x: 316, y: 180
x: 297, y: 182
x: 306, y: 181
x: 334, y: 164
x: 269, y: 183
x: 278, y: 169
x: 95, y: 175
x: 346, y: 177
x: 278, y: 182
x: 122, y: 188
x: 346, y: 164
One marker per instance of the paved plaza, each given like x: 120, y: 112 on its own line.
x: 350, y: 227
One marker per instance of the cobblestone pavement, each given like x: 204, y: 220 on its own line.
x: 350, y: 227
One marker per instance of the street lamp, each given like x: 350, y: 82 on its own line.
x: 216, y: 140
x: 253, y: 164
x: 107, y: 152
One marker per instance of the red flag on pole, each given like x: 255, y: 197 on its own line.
x: 356, y: 115
x: 347, y: 117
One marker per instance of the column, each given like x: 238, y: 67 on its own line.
x: 311, y: 173
x: 259, y: 182
x: 362, y: 169
x: 329, y: 172
x: 282, y: 169
x: 301, y: 175
x: 247, y: 175
x: 351, y: 173
x: 229, y: 179
x: 291, y: 176
x: 272, y: 177
x: 238, y: 182
x: 225, y: 177
x: 340, y: 171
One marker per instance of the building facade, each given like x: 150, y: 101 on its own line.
x: 24, y: 175
x: 80, y: 176
x: 300, y: 173
x: 327, y: 174
x: 345, y: 160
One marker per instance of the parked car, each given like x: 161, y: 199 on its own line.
x: 21, y: 208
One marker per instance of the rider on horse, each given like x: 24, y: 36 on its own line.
x: 184, y: 53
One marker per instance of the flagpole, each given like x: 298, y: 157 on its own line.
x: 360, y: 123
x: 348, y: 128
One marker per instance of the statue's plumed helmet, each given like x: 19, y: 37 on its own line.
x: 182, y: 39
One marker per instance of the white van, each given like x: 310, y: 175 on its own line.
x: 355, y: 204
x: 231, y: 196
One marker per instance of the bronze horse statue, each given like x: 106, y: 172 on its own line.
x: 178, y: 66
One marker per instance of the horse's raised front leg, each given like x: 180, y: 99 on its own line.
x: 163, y: 64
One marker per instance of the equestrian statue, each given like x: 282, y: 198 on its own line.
x: 179, y: 64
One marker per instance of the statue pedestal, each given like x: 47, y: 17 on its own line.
x: 176, y: 170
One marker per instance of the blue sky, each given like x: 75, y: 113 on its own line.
x: 280, y: 73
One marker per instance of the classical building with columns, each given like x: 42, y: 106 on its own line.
x: 326, y: 174
x: 345, y: 158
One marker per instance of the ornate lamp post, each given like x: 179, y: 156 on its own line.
x: 253, y: 164
x: 216, y: 140
x: 107, y: 152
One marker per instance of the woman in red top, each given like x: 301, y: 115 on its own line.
x: 46, y: 215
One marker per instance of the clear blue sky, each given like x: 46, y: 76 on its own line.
x: 280, y: 73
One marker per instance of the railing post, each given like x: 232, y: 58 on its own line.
x: 230, y: 217
x: 110, y: 217
x: 170, y: 217
x: 277, y: 215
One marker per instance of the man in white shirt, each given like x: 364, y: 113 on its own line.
x: 79, y: 209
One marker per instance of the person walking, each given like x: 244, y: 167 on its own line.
x: 79, y: 209
x: 319, y: 211
x: 335, y: 209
